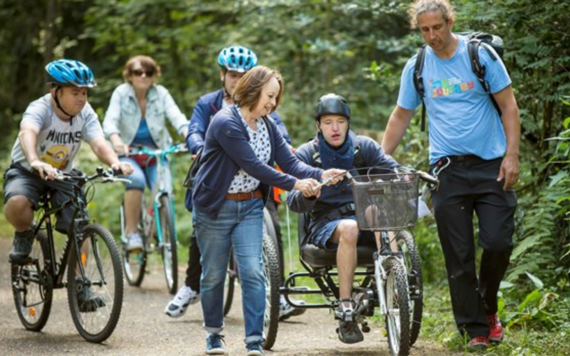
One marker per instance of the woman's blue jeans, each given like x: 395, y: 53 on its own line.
x: 239, y: 225
x: 141, y: 177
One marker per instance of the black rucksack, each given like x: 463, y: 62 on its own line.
x: 476, y: 39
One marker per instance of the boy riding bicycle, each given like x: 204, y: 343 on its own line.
x: 50, y: 137
x: 332, y: 224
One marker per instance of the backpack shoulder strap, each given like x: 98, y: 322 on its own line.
x: 419, y: 82
x: 479, y: 69
x: 315, y: 154
x: 359, y: 161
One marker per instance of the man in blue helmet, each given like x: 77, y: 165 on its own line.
x: 332, y: 223
x: 234, y: 62
x: 50, y: 136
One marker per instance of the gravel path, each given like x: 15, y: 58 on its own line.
x: 145, y: 330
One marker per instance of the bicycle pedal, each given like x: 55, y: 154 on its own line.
x: 26, y: 261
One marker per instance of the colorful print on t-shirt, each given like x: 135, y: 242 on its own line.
x: 449, y: 86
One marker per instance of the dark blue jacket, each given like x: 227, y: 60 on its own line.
x: 227, y: 150
x: 208, y: 105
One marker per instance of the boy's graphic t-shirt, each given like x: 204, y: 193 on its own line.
x: 58, y: 141
x: 461, y: 117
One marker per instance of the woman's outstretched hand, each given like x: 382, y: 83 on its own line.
x: 333, y: 176
x: 309, y: 187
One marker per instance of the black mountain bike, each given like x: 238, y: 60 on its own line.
x: 94, y: 275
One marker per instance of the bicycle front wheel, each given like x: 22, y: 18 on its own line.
x: 134, y: 262
x: 230, y: 283
x: 32, y: 286
x: 168, y: 246
x: 407, y: 246
x: 397, y: 302
x: 95, y: 298
x: 272, y: 284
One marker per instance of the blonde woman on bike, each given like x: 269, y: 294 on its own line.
x: 137, y: 115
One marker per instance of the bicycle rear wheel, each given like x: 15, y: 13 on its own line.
x: 32, y: 286
x: 134, y: 262
x: 96, y: 299
x: 407, y: 246
x: 397, y: 302
x: 272, y: 283
x: 168, y: 244
x: 231, y: 277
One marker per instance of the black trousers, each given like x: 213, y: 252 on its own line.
x: 469, y: 186
x: 194, y: 269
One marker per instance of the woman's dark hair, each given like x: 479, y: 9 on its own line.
x: 248, y: 90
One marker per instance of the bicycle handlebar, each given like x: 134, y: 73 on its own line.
x: 426, y: 177
x: 108, y: 175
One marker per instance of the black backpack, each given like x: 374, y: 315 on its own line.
x: 476, y: 39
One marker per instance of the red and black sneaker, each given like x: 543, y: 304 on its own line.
x: 478, y: 343
x: 496, y: 334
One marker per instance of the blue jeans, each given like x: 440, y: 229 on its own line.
x: 239, y: 224
x: 140, y: 177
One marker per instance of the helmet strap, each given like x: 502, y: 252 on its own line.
x: 226, y: 92
x: 56, y: 99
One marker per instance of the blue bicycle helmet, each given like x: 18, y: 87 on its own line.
x: 237, y: 59
x: 332, y: 104
x: 70, y: 72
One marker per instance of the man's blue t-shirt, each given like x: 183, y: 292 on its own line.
x: 461, y: 117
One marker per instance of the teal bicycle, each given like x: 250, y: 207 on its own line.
x: 157, y: 224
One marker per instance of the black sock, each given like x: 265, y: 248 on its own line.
x: 23, y: 234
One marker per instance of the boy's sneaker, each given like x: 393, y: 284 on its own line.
x: 21, y: 247
x: 178, y: 305
x: 87, y: 301
x: 286, y: 310
x: 134, y: 242
x: 214, y: 344
x: 478, y: 343
x: 348, y: 330
x: 496, y: 333
x: 255, y: 349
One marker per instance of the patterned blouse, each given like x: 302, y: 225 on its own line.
x: 259, y: 142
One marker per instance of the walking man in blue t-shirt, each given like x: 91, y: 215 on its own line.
x: 475, y: 153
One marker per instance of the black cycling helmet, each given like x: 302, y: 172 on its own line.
x: 332, y: 104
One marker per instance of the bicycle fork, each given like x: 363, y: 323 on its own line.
x: 381, y: 276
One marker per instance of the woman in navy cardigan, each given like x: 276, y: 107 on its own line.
x: 231, y: 187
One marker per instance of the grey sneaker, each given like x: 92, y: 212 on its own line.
x: 87, y: 301
x: 183, y: 298
x: 255, y: 349
x: 286, y: 310
x: 21, y: 247
x: 134, y: 242
x: 348, y: 330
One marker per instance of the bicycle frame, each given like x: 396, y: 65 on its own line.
x: 162, y: 187
x: 80, y: 216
